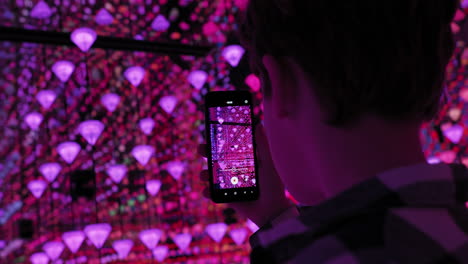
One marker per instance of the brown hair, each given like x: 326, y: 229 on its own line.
x: 366, y: 56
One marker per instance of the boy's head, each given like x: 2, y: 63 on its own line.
x: 328, y: 65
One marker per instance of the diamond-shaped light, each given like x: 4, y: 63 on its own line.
x: 160, y: 23
x: 251, y: 225
x: 146, y: 125
x: 160, y: 252
x: 91, y: 130
x: 238, y: 235
x: 183, y: 240
x: 33, y: 120
x: 39, y: 258
x: 46, y: 98
x: 143, y: 153
x: 216, y: 231
x: 168, y: 103
x: 53, y: 249
x: 73, y: 240
x: 233, y: 54
x: 83, y: 38
x: 41, y: 10
x: 98, y: 233
x: 135, y: 75
x: 103, y: 17
x: 153, y: 186
x: 110, y: 101
x: 454, y: 133
x: 150, y: 237
x: 197, y: 79
x: 175, y: 168
x: 116, y: 172
x: 123, y: 247
x: 63, y: 70
x: 68, y: 151
x: 37, y: 187
x: 50, y: 170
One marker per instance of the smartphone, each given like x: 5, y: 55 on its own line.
x: 230, y: 134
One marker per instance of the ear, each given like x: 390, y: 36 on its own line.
x: 283, y: 85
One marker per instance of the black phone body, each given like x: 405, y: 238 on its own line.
x: 231, y: 149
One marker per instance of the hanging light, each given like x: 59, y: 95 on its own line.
x: 41, y: 10
x: 123, y: 247
x: 135, y: 75
x: 146, y: 125
x: 68, y: 151
x: 233, y: 54
x: 183, y: 240
x: 63, y: 70
x: 98, y: 233
x: 175, y: 168
x: 238, y: 235
x: 143, y: 153
x: 253, y: 82
x: 216, y: 231
x: 33, y: 120
x: 252, y: 226
x: 150, y: 237
x: 83, y: 38
x: 160, y: 23
x: 160, y: 253
x: 73, y: 240
x: 110, y: 101
x: 153, y: 186
x: 168, y: 103
x: 39, y: 258
x: 116, y: 172
x: 37, y: 187
x: 53, y: 249
x: 103, y: 17
x: 46, y: 98
x: 454, y: 133
x: 91, y: 130
x: 50, y: 170
x: 197, y: 79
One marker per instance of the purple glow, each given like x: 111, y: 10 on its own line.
x: 83, y: 38
x: 50, y: 170
x: 68, y: 151
x: 98, y: 233
x: 216, y: 231
x: 146, y: 125
x: 150, y: 237
x: 53, y: 249
x: 63, y: 70
x: 91, y: 130
x: 117, y: 172
x: 41, y: 10
x: 153, y: 186
x: 160, y: 252
x: 73, y: 240
x: 37, y: 187
x: 160, y: 23
x: 233, y: 54
x: 39, y: 258
x: 135, y: 75
x: 464, y: 4
x: 238, y: 235
x: 252, y: 226
x: 143, y: 153
x: 197, y: 79
x: 183, y: 241
x: 33, y: 120
x: 433, y: 160
x: 175, y: 168
x: 46, y: 98
x: 122, y: 247
x: 168, y: 103
x: 110, y: 101
x: 103, y: 17
x: 454, y: 133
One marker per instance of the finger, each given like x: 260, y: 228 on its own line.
x: 206, y: 193
x: 202, y: 150
x: 204, y: 175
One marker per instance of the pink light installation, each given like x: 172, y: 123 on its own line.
x: 150, y: 237
x: 160, y: 253
x: 238, y: 235
x: 216, y: 231
x: 143, y: 153
x: 103, y: 17
x: 110, y: 101
x: 68, y: 151
x: 160, y: 23
x: 50, y: 170
x: 98, y: 233
x: 53, y: 249
x: 46, y: 98
x: 153, y: 186
x: 73, y: 240
x: 233, y: 54
x: 117, y: 172
x: 197, y: 79
x: 252, y: 226
x: 146, y: 125
x: 253, y: 82
x: 39, y: 258
x: 63, y: 70
x: 433, y: 160
x: 175, y: 168
x: 123, y: 247
x: 183, y: 240
x: 37, y: 187
x: 41, y: 10
x: 83, y: 38
x: 33, y: 120
x: 135, y: 75
x: 168, y: 103
x: 454, y: 133
x: 91, y: 130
